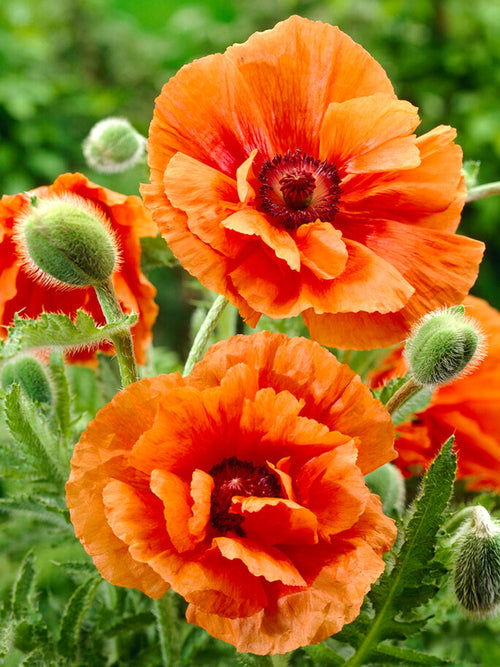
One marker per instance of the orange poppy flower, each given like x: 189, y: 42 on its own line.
x: 286, y: 175
x: 241, y: 486
x: 466, y: 407
x: 21, y: 293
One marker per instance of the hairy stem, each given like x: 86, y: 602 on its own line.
x: 167, y: 630
x: 123, y: 342
x: 203, y: 335
x: 482, y: 191
x: 402, y: 395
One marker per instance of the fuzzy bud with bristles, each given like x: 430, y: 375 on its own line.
x: 30, y: 375
x: 442, y: 345
x: 113, y: 146
x: 67, y: 240
x: 477, y: 567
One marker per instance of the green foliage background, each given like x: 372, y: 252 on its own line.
x: 65, y: 64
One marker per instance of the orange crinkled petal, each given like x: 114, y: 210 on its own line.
x: 279, y: 173
x: 241, y: 487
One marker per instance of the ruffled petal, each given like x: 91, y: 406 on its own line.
x: 276, y: 520
x: 332, y: 486
x: 261, y: 561
x: 370, y: 134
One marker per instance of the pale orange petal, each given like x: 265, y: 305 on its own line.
x: 262, y: 561
x: 321, y: 249
x: 370, y: 134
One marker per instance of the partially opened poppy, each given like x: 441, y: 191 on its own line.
x: 286, y: 175
x: 241, y: 486
x: 466, y: 407
x: 21, y: 293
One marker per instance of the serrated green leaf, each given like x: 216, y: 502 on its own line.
x: 35, y: 441
x: 324, y: 655
x: 131, y: 624
x: 77, y: 567
x: 58, y: 330
x: 45, y: 509
x: 21, y: 603
x: 33, y: 636
x: 71, y: 621
x: 414, y: 569
x: 62, y: 400
x: 7, y: 628
x: 387, y: 654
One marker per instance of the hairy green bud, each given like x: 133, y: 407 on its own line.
x: 477, y: 567
x: 113, y: 146
x: 30, y: 375
x: 442, y: 345
x: 67, y: 239
x: 388, y: 483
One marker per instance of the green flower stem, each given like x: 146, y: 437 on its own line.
x: 402, y: 395
x: 482, y: 191
x: 123, y: 342
x: 279, y: 660
x: 170, y: 646
x: 203, y: 335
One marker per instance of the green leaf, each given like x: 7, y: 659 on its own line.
x: 324, y: 655
x: 35, y: 442
x: 412, y: 580
x: 131, y: 624
x: 387, y: 654
x: 58, y: 330
x: 40, y: 507
x: 23, y: 588
x: 7, y: 629
x: 61, y: 393
x: 155, y: 252
x: 387, y: 391
x: 72, y: 618
x: 470, y: 171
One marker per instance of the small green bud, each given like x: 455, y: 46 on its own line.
x: 442, y: 345
x: 29, y: 373
x: 388, y: 483
x: 67, y: 239
x: 113, y: 146
x: 477, y: 567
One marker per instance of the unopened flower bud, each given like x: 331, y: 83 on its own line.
x: 388, y: 483
x: 68, y: 239
x: 477, y: 568
x: 113, y: 146
x: 30, y: 375
x: 442, y: 345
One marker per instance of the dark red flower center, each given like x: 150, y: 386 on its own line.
x: 297, y: 189
x: 233, y: 477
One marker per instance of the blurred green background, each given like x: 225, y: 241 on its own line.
x: 65, y: 64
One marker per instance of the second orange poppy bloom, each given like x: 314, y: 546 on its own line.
x: 241, y: 486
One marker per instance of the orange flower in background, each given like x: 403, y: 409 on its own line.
x: 286, y: 175
x: 466, y: 407
x: 21, y: 293
x: 241, y: 487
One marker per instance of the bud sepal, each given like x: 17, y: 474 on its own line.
x: 113, y: 146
